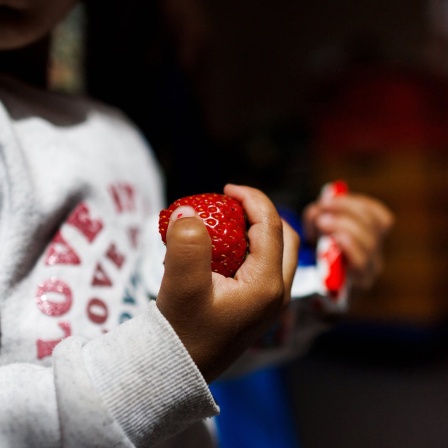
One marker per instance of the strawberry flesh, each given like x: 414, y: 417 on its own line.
x: 226, y: 224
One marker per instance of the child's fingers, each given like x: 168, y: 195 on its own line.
x: 265, y: 232
x: 368, y: 211
x: 187, y: 275
x: 345, y: 226
x: 259, y: 282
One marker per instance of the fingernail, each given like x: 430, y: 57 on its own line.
x: 325, y: 220
x: 184, y: 211
x: 326, y: 199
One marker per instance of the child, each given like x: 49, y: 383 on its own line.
x: 79, y: 196
x: 126, y: 68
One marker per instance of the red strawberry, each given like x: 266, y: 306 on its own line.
x: 225, y: 220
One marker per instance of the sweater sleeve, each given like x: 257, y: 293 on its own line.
x: 147, y: 379
x: 134, y: 386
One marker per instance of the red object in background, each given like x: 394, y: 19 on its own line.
x: 336, y: 275
x: 330, y: 259
x: 336, y: 188
x: 383, y: 109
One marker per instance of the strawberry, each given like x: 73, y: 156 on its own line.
x: 225, y: 221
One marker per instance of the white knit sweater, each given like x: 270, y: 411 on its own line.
x: 79, y: 197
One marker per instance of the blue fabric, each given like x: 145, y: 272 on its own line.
x: 307, y: 252
x: 255, y: 411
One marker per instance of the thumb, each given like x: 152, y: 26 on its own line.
x: 188, y: 276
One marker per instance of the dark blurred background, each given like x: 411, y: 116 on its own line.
x: 286, y: 96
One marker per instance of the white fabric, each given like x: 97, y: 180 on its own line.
x: 79, y: 195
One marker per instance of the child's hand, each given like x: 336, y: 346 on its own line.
x: 359, y: 223
x: 218, y: 318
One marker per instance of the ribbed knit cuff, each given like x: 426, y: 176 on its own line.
x: 147, y: 379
